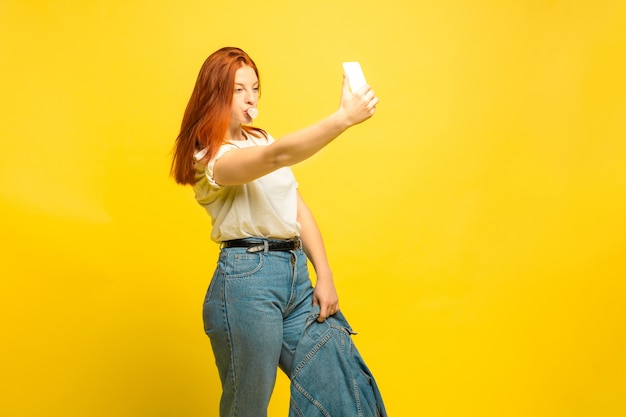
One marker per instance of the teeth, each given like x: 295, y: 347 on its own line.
x: 253, y: 112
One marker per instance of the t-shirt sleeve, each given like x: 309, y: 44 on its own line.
x: 208, y: 171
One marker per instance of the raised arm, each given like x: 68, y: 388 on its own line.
x: 240, y: 166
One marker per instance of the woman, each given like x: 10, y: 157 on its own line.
x: 260, y: 296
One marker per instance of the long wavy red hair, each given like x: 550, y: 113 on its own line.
x: 207, y: 116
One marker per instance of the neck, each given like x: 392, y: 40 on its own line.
x: 236, y: 134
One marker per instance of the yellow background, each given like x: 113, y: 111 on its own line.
x: 477, y: 224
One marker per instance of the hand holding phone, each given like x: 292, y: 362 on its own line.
x: 355, y: 75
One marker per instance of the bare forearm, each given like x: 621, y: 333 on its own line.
x: 312, y: 242
x: 314, y: 249
x: 302, y: 144
x: 325, y: 293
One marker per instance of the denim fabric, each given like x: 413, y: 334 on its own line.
x: 254, y: 313
x: 330, y: 378
x: 258, y: 315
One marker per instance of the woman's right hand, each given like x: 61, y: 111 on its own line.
x: 357, y: 106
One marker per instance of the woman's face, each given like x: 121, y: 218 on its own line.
x: 245, y: 96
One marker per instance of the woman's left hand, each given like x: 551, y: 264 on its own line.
x: 325, y: 295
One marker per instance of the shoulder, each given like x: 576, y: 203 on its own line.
x: 258, y: 136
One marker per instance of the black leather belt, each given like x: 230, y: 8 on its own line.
x: 259, y: 246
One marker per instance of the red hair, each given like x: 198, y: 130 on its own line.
x: 207, y: 116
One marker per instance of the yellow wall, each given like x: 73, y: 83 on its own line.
x: 476, y: 225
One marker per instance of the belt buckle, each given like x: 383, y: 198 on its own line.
x: 255, y: 249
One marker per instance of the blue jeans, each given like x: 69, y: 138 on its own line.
x: 254, y: 313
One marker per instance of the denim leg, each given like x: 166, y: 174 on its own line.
x: 298, y: 308
x: 250, y: 296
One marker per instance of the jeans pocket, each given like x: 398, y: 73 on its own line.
x: 244, y: 265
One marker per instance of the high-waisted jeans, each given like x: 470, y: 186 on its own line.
x: 254, y: 313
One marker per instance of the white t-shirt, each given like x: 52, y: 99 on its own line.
x: 266, y: 207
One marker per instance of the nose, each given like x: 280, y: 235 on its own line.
x: 251, y: 97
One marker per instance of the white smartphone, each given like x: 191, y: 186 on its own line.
x: 355, y: 75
